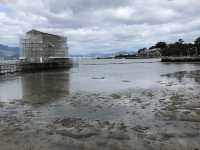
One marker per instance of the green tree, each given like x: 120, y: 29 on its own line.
x: 161, y: 45
x: 180, y: 41
x: 197, y: 41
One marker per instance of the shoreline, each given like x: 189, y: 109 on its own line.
x: 128, y: 58
x: 180, y: 59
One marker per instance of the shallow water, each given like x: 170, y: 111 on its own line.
x: 90, y: 76
x: 146, y: 95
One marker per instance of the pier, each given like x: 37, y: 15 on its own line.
x: 7, y: 68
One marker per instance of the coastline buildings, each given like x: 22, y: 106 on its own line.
x: 149, y: 53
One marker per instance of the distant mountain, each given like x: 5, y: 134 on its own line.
x: 94, y: 54
x: 125, y: 53
x: 103, y: 54
x: 13, y: 52
x: 9, y: 52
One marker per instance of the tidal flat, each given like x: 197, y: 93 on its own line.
x: 103, y: 105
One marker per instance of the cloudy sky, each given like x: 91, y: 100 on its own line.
x: 102, y: 25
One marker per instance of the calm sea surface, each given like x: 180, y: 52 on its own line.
x: 90, y: 75
x: 101, y: 76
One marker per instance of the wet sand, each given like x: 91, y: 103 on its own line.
x: 163, y: 117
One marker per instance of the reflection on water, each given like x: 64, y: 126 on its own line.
x: 98, y: 76
x: 36, y: 88
x: 10, y: 88
x: 42, y: 87
x: 181, y: 76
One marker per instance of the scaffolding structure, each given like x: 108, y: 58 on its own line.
x: 39, y: 47
x: 39, y: 51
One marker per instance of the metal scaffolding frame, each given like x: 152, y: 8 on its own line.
x: 39, y: 46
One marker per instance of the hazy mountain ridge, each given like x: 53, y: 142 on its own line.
x: 13, y: 52
x: 7, y: 51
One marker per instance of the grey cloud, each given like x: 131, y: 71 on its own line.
x: 80, y: 6
x: 95, y: 25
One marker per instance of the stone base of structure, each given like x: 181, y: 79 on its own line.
x: 26, y: 67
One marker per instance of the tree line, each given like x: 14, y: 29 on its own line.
x: 179, y: 48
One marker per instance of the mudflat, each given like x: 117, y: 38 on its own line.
x: 103, y: 104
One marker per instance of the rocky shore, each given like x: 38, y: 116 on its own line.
x: 180, y: 59
x: 163, y: 118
